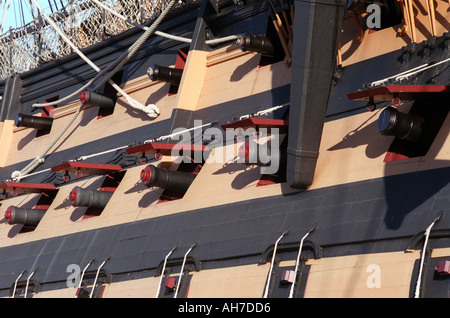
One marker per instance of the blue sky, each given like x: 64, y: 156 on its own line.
x: 14, y: 17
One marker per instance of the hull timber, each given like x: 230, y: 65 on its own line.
x: 369, y: 212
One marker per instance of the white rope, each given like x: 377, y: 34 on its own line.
x: 75, y: 93
x: 159, y: 33
x: 402, y: 77
x: 163, y: 270
x: 82, y: 158
x: 408, y: 73
x: 28, y: 282
x: 177, y: 133
x: 84, y: 271
x: 40, y: 159
x: 15, y: 283
x: 133, y: 49
x: 427, y: 235
x: 291, y: 292
x: 127, y: 55
x: 151, y: 110
x: 19, y: 175
x: 16, y: 176
x: 163, y: 34
x: 263, y: 112
x: 4, y: 15
x: 266, y: 290
x: 182, y: 269
x: 96, y: 277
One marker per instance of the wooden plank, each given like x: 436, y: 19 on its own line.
x: 165, y: 149
x: 20, y: 187
x: 257, y: 123
x: 407, y: 92
x: 86, y: 168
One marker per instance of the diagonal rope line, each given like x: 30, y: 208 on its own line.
x: 133, y: 49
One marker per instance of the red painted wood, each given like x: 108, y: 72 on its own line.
x: 406, y: 92
x: 165, y: 149
x: 86, y: 168
x: 20, y: 187
x: 257, y: 122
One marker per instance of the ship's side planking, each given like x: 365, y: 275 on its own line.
x: 365, y: 213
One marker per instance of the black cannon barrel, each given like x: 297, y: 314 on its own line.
x: 177, y: 181
x: 27, y: 217
x: 256, y: 43
x: 97, y: 99
x: 402, y: 125
x: 89, y: 198
x: 165, y: 74
x: 39, y: 123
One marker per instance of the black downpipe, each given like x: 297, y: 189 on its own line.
x: 317, y: 27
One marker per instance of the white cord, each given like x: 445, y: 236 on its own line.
x: 399, y: 78
x: 182, y: 269
x: 4, y: 15
x: 130, y: 52
x: 151, y: 110
x: 427, y: 235
x: 177, y: 133
x: 266, y: 290
x: 15, y: 284
x: 17, y: 175
x: 291, y: 292
x: 96, y: 277
x: 28, y: 282
x: 408, y: 73
x: 159, y: 33
x: 163, y: 34
x: 163, y: 270
x: 263, y: 112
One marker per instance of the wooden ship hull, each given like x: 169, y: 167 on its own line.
x: 353, y: 210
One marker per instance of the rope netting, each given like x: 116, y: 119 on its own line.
x: 84, y: 23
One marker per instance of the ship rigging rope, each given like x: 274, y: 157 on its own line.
x: 159, y: 33
x: 163, y: 34
x: 404, y: 75
x: 132, y: 50
x: 151, y: 109
x: 161, y: 138
x: 4, y: 14
x: 82, y: 158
